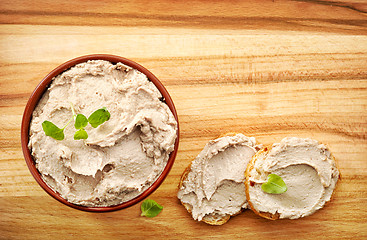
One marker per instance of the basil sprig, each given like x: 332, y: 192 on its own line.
x: 53, y: 131
x: 97, y: 118
x: 150, y: 208
x: 274, y: 185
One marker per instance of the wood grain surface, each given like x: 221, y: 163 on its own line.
x: 268, y: 69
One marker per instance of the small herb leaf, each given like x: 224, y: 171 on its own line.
x: 81, y: 121
x: 150, y: 208
x: 98, y: 117
x: 274, y: 185
x: 80, y: 134
x: 52, y: 130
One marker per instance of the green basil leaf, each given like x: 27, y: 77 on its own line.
x: 80, y: 134
x: 150, y: 208
x: 52, y: 130
x: 81, y: 121
x: 274, y: 185
x: 98, y: 117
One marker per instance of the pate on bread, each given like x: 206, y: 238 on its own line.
x: 308, y: 169
x: 212, y: 188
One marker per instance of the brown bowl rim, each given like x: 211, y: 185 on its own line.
x: 37, y: 94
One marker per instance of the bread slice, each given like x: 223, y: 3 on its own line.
x: 255, y: 172
x: 213, y: 218
x: 209, y: 219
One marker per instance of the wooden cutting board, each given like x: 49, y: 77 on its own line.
x: 268, y: 69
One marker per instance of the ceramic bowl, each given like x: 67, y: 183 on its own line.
x: 36, y: 96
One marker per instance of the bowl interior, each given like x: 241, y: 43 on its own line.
x: 36, y: 96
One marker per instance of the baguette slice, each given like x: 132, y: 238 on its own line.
x: 222, y: 193
x: 211, y: 219
x: 308, y: 169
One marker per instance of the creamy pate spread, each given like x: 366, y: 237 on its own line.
x: 307, y: 168
x: 122, y: 157
x: 215, y: 183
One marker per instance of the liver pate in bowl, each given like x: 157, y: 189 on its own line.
x: 109, y: 165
